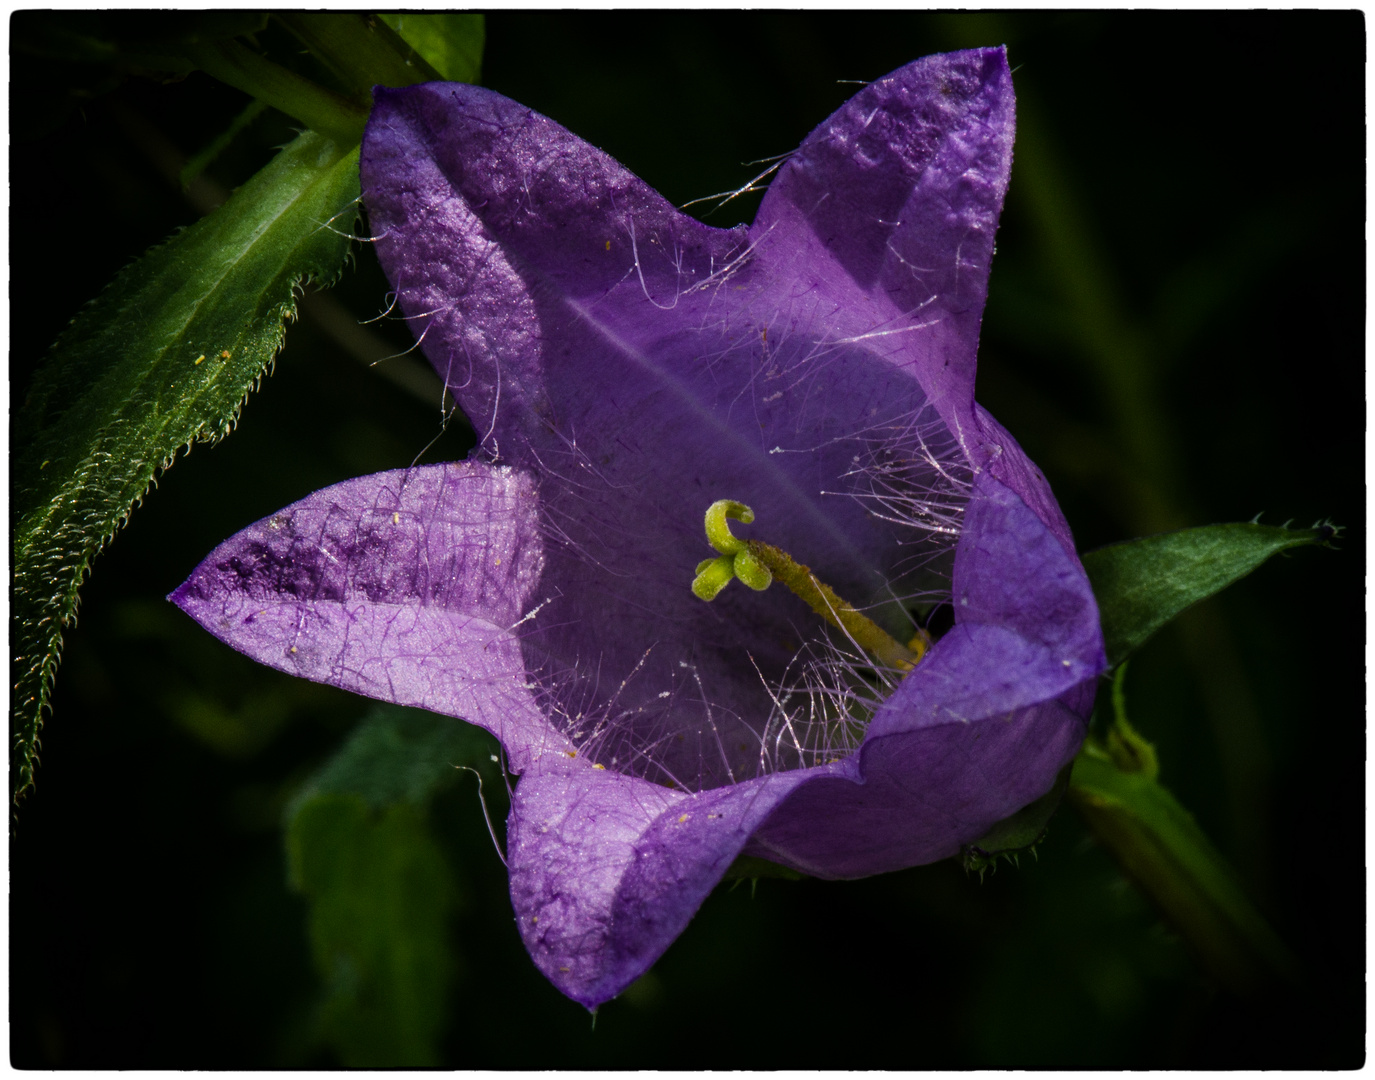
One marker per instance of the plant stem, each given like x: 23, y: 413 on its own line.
x: 1158, y: 843
x: 361, y: 50
x: 320, y: 109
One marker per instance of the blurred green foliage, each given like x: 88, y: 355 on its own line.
x: 380, y: 895
x: 1174, y: 333
x: 380, y: 889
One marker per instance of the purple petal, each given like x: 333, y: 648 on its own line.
x: 681, y: 365
x: 607, y: 870
x: 630, y: 366
x: 406, y: 586
x: 571, y: 837
x: 1007, y: 461
x: 983, y: 724
x: 895, y: 201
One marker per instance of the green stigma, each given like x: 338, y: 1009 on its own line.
x: 757, y: 564
x: 735, y: 561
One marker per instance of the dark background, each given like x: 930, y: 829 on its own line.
x: 1174, y: 333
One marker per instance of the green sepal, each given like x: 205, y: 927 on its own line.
x: 162, y: 359
x: 1143, y: 584
x: 1124, y: 745
x: 1016, y: 834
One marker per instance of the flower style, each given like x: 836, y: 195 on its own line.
x: 626, y: 367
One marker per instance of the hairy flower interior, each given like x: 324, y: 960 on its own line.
x: 831, y: 439
x: 803, y: 693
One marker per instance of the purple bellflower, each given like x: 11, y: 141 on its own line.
x: 625, y: 368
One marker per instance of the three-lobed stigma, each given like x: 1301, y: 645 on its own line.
x: 735, y: 560
x: 757, y: 564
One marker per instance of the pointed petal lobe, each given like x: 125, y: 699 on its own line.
x: 407, y: 586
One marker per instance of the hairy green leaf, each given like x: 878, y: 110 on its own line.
x: 163, y: 358
x: 451, y: 41
x: 1143, y: 584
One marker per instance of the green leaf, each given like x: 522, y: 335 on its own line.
x: 380, y: 891
x: 381, y: 896
x: 398, y: 755
x: 1143, y: 584
x: 452, y: 42
x: 162, y: 359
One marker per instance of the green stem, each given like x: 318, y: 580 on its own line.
x: 1158, y: 844
x: 361, y: 50
x: 298, y: 97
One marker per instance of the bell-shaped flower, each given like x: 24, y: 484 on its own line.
x: 626, y: 368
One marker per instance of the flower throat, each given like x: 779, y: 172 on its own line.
x: 757, y: 564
